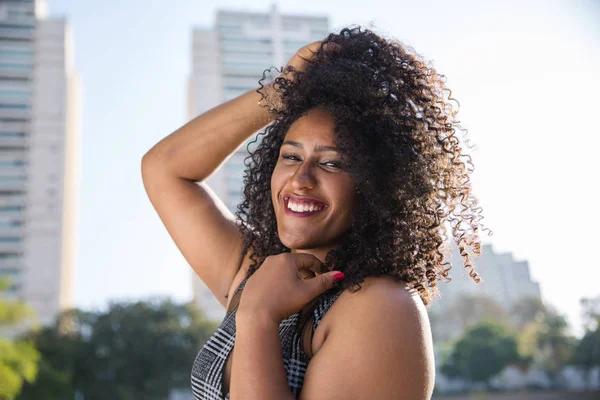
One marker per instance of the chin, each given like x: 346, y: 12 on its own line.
x: 296, y: 243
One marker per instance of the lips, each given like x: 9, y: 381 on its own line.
x: 302, y: 199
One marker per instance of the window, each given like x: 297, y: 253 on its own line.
x: 235, y: 181
x: 12, y: 179
x: 257, y: 53
x: 19, y: 54
x: 12, y: 134
x: 12, y: 255
x: 20, y: 15
x: 16, y: 67
x: 5, y: 106
x: 22, y: 27
x: 10, y: 224
x: 11, y: 94
x: 291, y: 26
x: 11, y: 208
x: 10, y: 239
x: 245, y: 41
x: 229, y: 28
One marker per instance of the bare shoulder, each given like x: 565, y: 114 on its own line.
x: 383, y: 304
x: 380, y: 332
x: 383, y: 289
x: 378, y: 297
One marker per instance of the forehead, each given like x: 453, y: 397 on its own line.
x: 317, y: 125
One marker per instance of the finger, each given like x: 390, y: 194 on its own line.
x: 314, y: 46
x: 308, y: 261
x: 324, y: 282
x: 304, y: 274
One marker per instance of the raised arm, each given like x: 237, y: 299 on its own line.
x: 173, y: 172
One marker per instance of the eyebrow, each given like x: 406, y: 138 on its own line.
x: 318, y: 148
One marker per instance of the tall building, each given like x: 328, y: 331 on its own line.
x: 39, y: 156
x: 505, y: 280
x: 228, y: 60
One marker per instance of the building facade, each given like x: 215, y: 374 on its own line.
x: 39, y: 156
x: 504, y: 279
x: 228, y: 59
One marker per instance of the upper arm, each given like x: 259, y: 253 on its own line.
x: 379, y: 347
x: 201, y: 226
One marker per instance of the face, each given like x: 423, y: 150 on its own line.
x: 309, y: 178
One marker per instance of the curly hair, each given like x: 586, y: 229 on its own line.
x: 396, y: 132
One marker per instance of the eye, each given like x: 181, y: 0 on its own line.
x: 335, y: 164
x: 290, y: 157
x: 330, y: 164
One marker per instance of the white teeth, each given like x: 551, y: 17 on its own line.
x: 303, y: 207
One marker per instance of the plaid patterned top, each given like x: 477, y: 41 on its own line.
x: 207, y: 371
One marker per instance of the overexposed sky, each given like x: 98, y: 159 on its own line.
x: 525, y: 74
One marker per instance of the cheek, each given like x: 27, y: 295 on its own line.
x: 347, y: 195
x: 276, y: 183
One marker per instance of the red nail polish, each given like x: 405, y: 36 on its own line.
x: 338, y: 277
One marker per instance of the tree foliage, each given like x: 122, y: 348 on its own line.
x: 465, y: 311
x: 525, y: 311
x: 587, y: 352
x: 482, y: 352
x: 135, y: 350
x: 590, y: 312
x: 18, y: 357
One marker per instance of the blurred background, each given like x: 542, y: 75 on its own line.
x: 96, y: 301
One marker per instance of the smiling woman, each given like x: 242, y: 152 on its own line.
x: 312, y: 195
x: 336, y: 249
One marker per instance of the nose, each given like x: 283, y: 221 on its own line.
x: 303, y: 178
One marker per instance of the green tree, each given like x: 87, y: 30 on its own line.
x: 18, y: 357
x: 587, y: 352
x: 64, y: 348
x: 482, y: 352
x: 543, y: 339
x: 526, y: 310
x: 466, y: 311
x: 134, y: 350
x: 590, y: 312
x: 554, y: 345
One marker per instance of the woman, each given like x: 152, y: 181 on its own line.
x: 336, y: 249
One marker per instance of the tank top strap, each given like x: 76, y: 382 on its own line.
x: 326, y: 301
x: 235, y: 299
x: 242, y: 285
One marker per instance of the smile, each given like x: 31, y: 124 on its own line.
x: 302, y: 208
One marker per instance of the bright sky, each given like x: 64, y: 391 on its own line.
x: 525, y: 73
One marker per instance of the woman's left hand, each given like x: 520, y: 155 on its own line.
x: 282, y: 285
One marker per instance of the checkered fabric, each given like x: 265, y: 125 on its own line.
x: 207, y: 371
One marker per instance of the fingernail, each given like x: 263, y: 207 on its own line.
x: 338, y: 277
